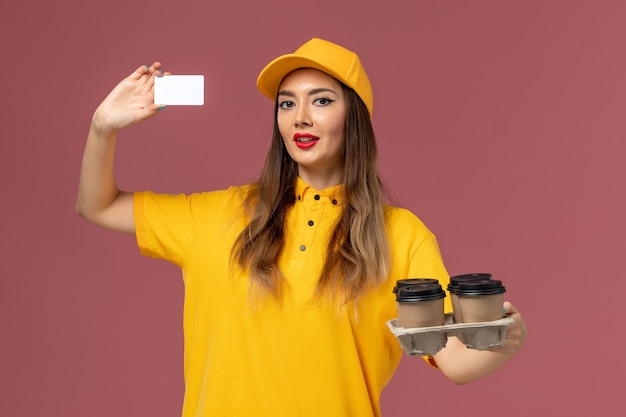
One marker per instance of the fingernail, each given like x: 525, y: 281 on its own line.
x: 162, y: 107
x: 147, y: 67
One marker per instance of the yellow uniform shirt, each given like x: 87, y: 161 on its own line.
x: 295, y: 358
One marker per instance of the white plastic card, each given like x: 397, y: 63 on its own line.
x: 179, y: 90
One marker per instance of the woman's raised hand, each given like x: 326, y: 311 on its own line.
x: 130, y: 102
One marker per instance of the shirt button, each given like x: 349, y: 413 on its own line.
x: 334, y: 202
x: 311, y: 223
x: 302, y: 248
x: 298, y: 198
x: 317, y: 196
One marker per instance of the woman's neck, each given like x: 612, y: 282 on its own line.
x: 319, y: 180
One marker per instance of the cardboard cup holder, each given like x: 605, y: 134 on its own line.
x: 425, y: 341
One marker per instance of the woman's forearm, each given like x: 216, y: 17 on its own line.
x: 462, y: 365
x: 99, y: 200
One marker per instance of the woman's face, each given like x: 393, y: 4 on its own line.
x: 311, y: 120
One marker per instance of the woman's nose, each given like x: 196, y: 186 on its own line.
x: 302, y: 117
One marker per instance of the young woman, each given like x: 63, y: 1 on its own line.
x: 288, y: 282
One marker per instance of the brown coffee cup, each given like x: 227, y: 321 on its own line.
x: 453, y: 285
x: 420, y: 305
x: 481, y: 301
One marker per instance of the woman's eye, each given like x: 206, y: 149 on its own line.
x: 285, y: 104
x: 323, y: 101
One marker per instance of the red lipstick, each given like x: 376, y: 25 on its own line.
x: 305, y: 140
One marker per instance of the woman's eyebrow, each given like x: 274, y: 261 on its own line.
x: 321, y: 90
x: 286, y: 93
x: 310, y: 93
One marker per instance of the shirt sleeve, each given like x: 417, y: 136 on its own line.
x: 167, y: 226
x: 164, y: 225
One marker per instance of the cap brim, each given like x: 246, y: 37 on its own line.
x: 271, y: 76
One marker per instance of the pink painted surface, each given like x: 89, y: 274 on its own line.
x: 501, y: 124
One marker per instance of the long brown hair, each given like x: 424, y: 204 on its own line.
x: 357, y: 258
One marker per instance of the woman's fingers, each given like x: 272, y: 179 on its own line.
x: 146, y: 72
x: 154, y: 71
x: 140, y: 72
x: 516, y: 332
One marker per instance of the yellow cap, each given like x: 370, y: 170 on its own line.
x: 326, y: 56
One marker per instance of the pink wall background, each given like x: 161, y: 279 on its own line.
x: 501, y: 124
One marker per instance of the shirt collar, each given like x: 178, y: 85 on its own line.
x: 305, y: 192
